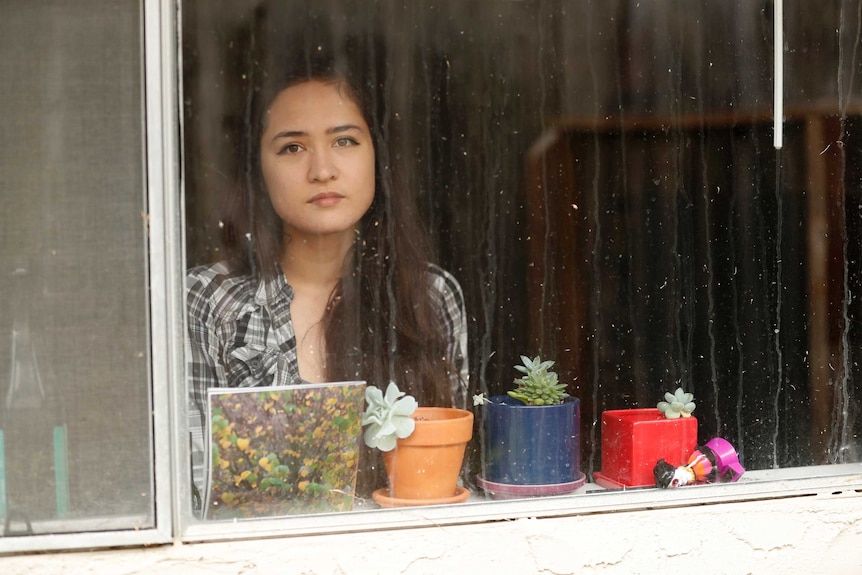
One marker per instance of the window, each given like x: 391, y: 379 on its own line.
x: 74, y: 331
x: 83, y: 406
x: 599, y: 177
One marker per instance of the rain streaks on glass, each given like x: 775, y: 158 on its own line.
x: 653, y: 194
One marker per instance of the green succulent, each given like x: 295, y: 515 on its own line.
x: 677, y: 404
x: 387, y: 416
x: 538, y: 386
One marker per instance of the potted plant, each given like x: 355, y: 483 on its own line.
x: 532, y: 436
x: 633, y: 440
x: 423, y: 448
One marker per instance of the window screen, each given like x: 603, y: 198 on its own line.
x: 74, y: 350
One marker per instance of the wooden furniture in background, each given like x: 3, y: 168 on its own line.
x: 687, y: 251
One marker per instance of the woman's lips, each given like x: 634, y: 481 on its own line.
x: 326, y: 199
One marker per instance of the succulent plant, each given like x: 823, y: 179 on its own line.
x: 677, y: 404
x: 387, y: 416
x: 538, y: 386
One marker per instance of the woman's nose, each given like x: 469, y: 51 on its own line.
x: 321, y: 167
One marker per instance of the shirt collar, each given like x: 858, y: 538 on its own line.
x: 275, y: 294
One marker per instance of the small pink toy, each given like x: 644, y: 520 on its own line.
x: 715, y: 462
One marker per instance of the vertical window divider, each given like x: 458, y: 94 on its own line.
x: 165, y: 249
x: 778, y: 74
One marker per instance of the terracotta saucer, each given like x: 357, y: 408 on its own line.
x: 381, y: 496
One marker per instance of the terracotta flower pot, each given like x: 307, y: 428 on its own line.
x: 426, y: 464
x: 633, y: 440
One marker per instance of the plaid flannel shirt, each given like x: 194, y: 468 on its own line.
x: 240, y: 335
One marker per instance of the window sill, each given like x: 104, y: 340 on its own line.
x: 754, y: 485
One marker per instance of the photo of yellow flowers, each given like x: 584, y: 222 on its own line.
x: 284, y: 451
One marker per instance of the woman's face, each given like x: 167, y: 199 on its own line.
x: 317, y: 159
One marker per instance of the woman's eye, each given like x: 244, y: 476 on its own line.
x: 290, y: 149
x: 345, y: 142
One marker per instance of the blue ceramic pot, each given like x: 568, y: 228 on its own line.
x: 532, y: 445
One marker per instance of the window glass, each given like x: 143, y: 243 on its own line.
x: 601, y: 180
x: 76, y: 451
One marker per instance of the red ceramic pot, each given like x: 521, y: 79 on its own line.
x: 633, y: 440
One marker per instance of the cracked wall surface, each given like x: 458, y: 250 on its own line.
x: 813, y: 534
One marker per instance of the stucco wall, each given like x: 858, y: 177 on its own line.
x: 810, y: 534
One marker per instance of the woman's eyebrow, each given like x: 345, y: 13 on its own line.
x: 289, y: 134
x: 301, y: 133
x: 344, y: 128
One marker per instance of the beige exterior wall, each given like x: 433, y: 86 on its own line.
x: 810, y: 534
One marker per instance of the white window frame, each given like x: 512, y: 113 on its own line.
x: 756, y: 485
x: 160, y: 145
x: 173, y: 520
x: 165, y: 241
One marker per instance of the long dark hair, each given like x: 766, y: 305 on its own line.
x: 381, y: 323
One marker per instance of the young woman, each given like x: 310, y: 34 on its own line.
x: 327, y: 276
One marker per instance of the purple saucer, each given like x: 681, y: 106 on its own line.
x: 512, y: 491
